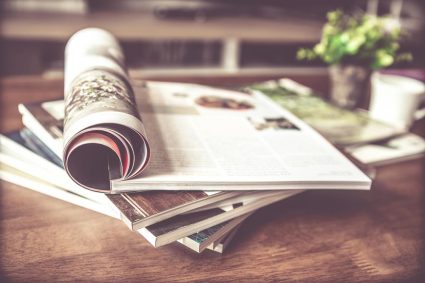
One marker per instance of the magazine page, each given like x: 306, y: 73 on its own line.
x: 104, y: 138
x: 340, y: 126
x: 213, y: 138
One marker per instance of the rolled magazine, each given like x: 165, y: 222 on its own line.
x: 104, y: 137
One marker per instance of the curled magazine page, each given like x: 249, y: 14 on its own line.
x: 104, y: 137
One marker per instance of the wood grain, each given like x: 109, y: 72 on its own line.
x: 322, y: 236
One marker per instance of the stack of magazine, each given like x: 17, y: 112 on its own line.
x: 176, y: 162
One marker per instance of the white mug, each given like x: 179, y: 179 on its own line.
x: 395, y: 99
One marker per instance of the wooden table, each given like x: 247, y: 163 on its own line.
x: 322, y: 236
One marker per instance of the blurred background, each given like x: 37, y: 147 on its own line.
x: 191, y: 37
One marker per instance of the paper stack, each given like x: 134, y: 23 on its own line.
x: 176, y: 162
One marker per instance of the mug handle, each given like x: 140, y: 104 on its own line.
x: 419, y: 114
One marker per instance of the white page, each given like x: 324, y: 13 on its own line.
x: 193, y: 144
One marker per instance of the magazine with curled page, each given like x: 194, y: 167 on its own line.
x: 122, y: 136
x: 137, y: 209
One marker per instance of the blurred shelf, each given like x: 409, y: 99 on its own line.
x: 246, y: 71
x: 208, y: 72
x: 138, y: 26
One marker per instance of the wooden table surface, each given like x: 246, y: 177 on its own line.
x: 321, y: 236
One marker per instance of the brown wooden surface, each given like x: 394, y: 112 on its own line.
x: 322, y: 236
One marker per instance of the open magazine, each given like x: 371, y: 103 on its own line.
x: 165, y: 136
x: 340, y: 126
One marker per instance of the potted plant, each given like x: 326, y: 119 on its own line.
x: 354, y: 46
